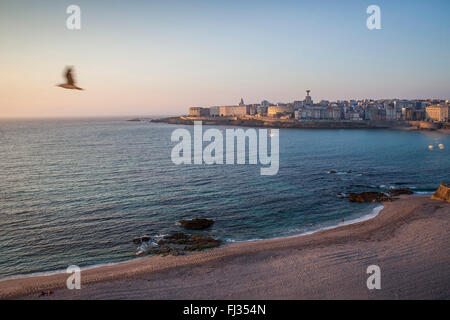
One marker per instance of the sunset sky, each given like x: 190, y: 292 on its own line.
x: 161, y: 57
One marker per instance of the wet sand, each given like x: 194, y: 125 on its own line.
x: 409, y: 241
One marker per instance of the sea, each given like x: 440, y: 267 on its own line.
x: 77, y: 191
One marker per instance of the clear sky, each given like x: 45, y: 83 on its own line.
x: 161, y: 57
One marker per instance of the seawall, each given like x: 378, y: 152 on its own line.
x: 365, y: 124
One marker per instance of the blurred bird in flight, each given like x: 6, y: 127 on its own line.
x: 70, y: 82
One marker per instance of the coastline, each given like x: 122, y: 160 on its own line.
x: 230, y: 269
x: 291, y: 124
x: 365, y: 217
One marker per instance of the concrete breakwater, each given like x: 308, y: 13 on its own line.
x: 366, y: 124
x: 424, y: 125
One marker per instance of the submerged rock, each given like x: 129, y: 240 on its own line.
x: 177, y: 244
x: 188, y: 242
x: 196, y: 224
x: 373, y: 196
x: 370, y: 196
x: 397, y: 192
x: 442, y: 193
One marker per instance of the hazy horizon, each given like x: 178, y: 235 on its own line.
x: 160, y: 58
x: 183, y: 110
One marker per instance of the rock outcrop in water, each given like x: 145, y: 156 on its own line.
x: 178, y: 243
x: 196, y: 224
x: 370, y: 196
x: 190, y: 243
x: 397, y: 192
x: 442, y: 193
x: 373, y: 196
x: 142, y: 239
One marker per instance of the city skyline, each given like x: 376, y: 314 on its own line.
x: 155, y: 58
x: 324, y: 110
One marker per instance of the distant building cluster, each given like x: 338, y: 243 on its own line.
x: 350, y: 110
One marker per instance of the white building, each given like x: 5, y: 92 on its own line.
x: 234, y: 111
x: 438, y: 112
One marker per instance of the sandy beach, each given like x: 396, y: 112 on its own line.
x: 408, y: 240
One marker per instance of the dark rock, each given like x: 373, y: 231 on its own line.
x: 373, y: 196
x: 370, y: 196
x: 203, y: 242
x: 196, y: 224
x: 137, y: 240
x: 397, y: 192
x: 184, y: 242
x: 179, y: 236
x: 332, y: 171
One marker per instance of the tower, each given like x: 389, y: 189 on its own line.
x: 308, y: 100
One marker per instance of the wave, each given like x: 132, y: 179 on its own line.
x: 424, y: 192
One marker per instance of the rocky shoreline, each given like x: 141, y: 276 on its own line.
x: 221, y: 121
x: 286, y: 124
x: 178, y: 243
x: 373, y: 196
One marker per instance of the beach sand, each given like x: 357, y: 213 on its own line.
x: 409, y: 241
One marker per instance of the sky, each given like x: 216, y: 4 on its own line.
x: 162, y: 57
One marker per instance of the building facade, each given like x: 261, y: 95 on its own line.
x: 438, y: 113
x: 198, y: 112
x: 274, y: 111
x: 234, y: 111
x: 318, y: 113
x: 214, y: 111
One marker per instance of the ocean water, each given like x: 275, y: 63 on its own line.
x: 78, y: 191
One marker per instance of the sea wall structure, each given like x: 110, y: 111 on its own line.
x: 442, y: 193
x: 277, y: 123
